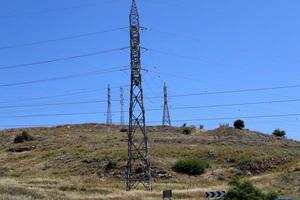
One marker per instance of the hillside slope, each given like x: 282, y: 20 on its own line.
x: 70, y: 162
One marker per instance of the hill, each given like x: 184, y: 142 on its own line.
x: 88, y: 162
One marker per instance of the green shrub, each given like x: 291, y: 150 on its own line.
x: 191, y: 166
x: 279, y: 133
x: 187, y: 131
x: 23, y: 137
x: 239, y: 124
x: 124, y: 130
x: 111, y: 164
x: 246, y: 191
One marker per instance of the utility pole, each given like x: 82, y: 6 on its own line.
x: 138, y: 166
x: 166, y: 114
x: 122, y: 121
x: 108, y: 114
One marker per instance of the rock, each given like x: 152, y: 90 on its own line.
x: 160, y: 173
x: 21, y: 149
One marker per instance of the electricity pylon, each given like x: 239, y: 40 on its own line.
x: 122, y: 121
x: 166, y: 114
x: 138, y: 166
x: 108, y: 114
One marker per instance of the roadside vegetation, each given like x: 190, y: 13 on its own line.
x: 247, y: 191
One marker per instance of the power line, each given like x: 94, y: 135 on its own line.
x: 182, y: 77
x: 154, y: 109
x: 61, y: 39
x: 93, y: 73
x: 54, y: 104
x: 238, y: 104
x: 54, y: 10
x: 165, y: 2
x: 65, y: 94
x: 45, y: 125
x: 9, y: 126
x: 158, y: 73
x: 52, y: 115
x: 62, y: 59
x: 230, y: 91
x: 174, y: 34
x: 177, y: 55
x: 178, y: 120
x: 191, y: 58
x: 239, y: 117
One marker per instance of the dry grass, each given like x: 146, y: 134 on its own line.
x: 68, y: 162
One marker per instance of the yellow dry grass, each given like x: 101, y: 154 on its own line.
x: 68, y: 162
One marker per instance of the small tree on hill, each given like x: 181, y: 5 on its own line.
x: 279, y: 133
x: 246, y: 191
x: 239, y: 124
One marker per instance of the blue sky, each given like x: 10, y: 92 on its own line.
x: 195, y: 46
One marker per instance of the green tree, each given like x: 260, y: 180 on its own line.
x: 279, y: 133
x: 239, y: 124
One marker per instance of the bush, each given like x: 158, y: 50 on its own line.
x: 224, y: 125
x: 124, y: 130
x: 187, y: 131
x: 279, y: 133
x: 111, y: 164
x: 239, y: 124
x: 246, y: 191
x: 23, y: 137
x: 191, y: 166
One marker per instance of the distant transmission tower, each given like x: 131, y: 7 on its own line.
x: 108, y: 114
x: 166, y: 114
x: 122, y: 121
x: 138, y: 166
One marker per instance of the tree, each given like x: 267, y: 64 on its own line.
x: 246, y: 191
x: 279, y: 133
x: 239, y: 124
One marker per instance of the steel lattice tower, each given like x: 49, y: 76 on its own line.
x: 166, y: 114
x: 122, y: 121
x: 108, y: 114
x: 138, y: 166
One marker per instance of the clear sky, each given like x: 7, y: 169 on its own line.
x: 195, y: 46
